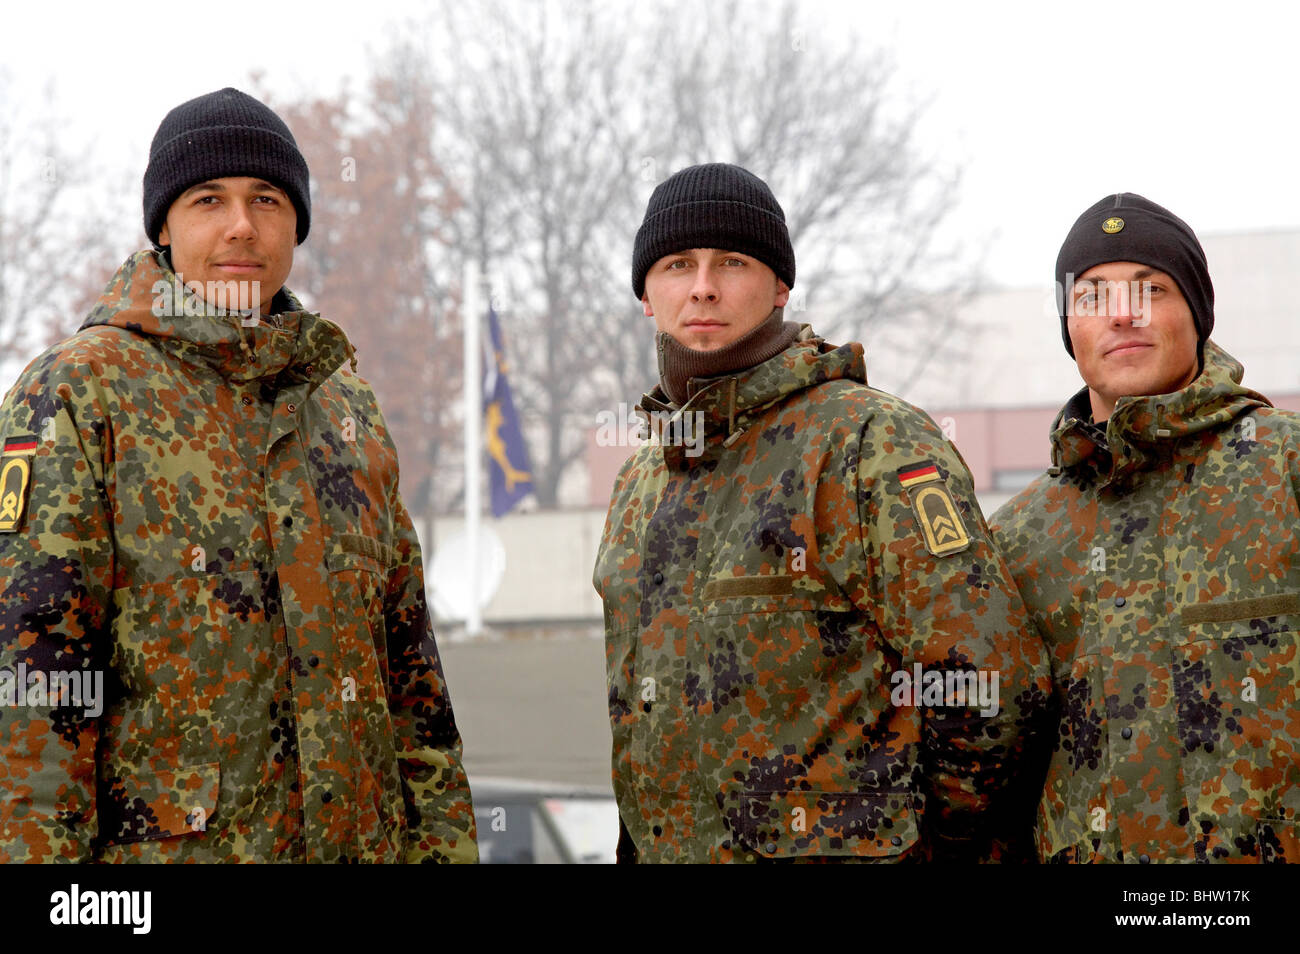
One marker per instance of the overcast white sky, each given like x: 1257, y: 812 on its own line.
x: 1048, y: 106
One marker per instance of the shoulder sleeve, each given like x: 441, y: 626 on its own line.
x: 56, y: 560
x: 944, y: 599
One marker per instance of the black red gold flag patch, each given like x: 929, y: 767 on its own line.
x: 15, y: 477
x: 936, y: 512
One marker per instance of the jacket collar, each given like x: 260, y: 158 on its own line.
x: 292, y: 343
x: 728, y: 405
x: 1143, y: 430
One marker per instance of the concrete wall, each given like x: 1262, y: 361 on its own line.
x: 550, y: 556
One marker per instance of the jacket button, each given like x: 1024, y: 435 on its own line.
x: 246, y: 400
x: 288, y: 522
x: 896, y: 840
x: 657, y: 830
x: 291, y: 407
x: 1144, y: 859
x: 314, y: 661
x: 770, y: 847
x: 327, y: 797
x: 658, y: 578
x: 1120, y: 601
x: 645, y: 707
x: 1126, y: 732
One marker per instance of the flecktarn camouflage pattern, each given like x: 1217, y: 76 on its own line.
x: 211, y: 522
x: 1160, y: 558
x: 760, y: 598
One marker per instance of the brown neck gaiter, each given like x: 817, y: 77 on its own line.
x: 678, y: 363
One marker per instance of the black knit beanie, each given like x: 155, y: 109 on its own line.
x: 1128, y: 228
x: 226, y: 133
x: 716, y: 205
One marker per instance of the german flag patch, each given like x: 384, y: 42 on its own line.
x: 935, y: 510
x: 15, y: 478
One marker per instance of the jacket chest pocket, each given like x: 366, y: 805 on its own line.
x: 359, y: 567
x: 769, y: 645
x: 1074, y: 815
x: 790, y: 685
x: 194, y: 656
x: 1235, y: 682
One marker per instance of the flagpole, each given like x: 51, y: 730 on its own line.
x: 473, y: 357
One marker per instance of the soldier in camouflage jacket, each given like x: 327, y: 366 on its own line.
x: 1160, y: 558
x: 792, y: 541
x: 214, y: 644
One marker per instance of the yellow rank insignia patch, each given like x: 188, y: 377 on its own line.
x: 1112, y: 225
x: 935, y: 510
x: 15, y: 476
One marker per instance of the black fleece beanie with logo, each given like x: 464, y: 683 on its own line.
x: 1125, y: 227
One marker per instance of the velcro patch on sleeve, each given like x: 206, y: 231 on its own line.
x: 15, y: 478
x: 936, y: 511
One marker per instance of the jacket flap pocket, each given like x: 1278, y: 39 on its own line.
x: 164, y: 804
x: 1227, y: 611
x: 770, y: 593
x: 358, y: 550
x: 768, y: 584
x: 794, y: 824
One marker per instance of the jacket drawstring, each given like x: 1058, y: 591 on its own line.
x: 733, y: 435
x: 1161, y: 430
x: 243, y: 343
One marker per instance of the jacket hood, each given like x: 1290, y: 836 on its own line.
x: 1143, y: 430
x: 730, y: 403
x: 147, y: 298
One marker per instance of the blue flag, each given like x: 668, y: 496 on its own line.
x: 509, y: 473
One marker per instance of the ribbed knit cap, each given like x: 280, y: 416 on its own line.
x: 716, y: 205
x: 226, y: 133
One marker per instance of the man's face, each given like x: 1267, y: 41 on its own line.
x: 234, y: 237
x: 1132, y: 333
x: 706, y: 298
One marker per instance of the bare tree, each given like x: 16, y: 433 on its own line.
x: 819, y: 114
x: 374, y: 264
x: 556, y: 122
x: 58, y: 241
x: 532, y: 126
x: 526, y: 137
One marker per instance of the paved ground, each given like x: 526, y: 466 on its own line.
x: 532, y: 705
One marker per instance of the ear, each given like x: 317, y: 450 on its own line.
x: 645, y: 306
x: 782, y: 294
x: 164, y: 238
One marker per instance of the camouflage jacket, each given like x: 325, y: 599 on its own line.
x: 212, y: 524
x: 1160, y: 558
x: 759, y: 598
